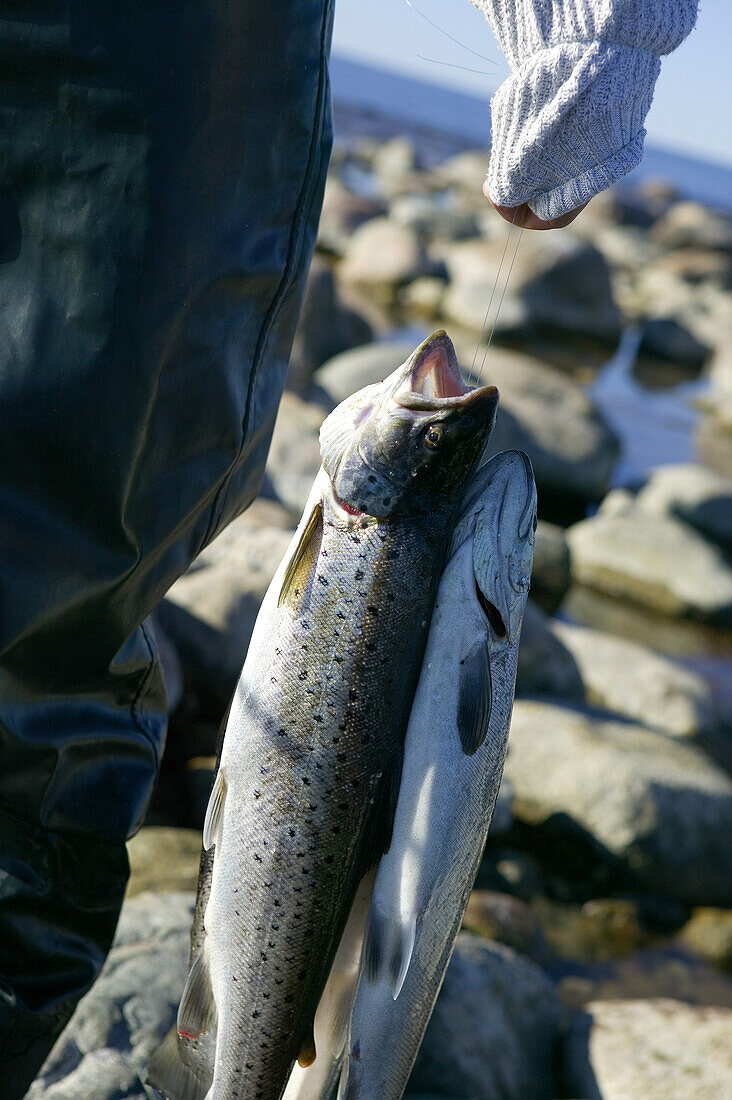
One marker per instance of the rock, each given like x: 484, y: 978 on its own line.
x: 352, y: 370
x: 658, y: 808
x: 550, y: 575
x: 545, y: 665
x: 709, y: 934
x: 294, y: 454
x: 694, y: 494
x: 383, y: 256
x: 209, y: 612
x: 506, y: 919
x: 343, y: 212
x: 493, y: 1030
x: 395, y: 165
x: 465, y: 171
x: 102, y: 1053
x: 434, y: 216
x: 326, y: 327
x: 164, y: 860
x: 508, y: 872
x: 654, y: 560
x: 600, y: 929
x: 697, y: 265
x: 423, y: 296
x: 690, y: 225
x: 559, y: 284
x: 649, y: 1050
x: 548, y: 415
x: 652, y: 972
x: 668, y: 338
x: 632, y: 680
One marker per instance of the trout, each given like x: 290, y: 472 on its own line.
x: 454, y: 752
x: 304, y: 798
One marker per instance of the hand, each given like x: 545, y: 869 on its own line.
x: 525, y: 217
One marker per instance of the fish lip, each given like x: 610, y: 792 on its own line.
x: 432, y: 378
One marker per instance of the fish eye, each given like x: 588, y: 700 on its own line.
x: 433, y: 435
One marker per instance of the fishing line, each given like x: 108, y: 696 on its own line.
x: 452, y: 65
x: 493, y: 291
x: 448, y: 35
x: 503, y: 295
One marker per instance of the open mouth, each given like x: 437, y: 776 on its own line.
x: 433, y: 378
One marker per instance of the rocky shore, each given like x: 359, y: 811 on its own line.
x: 597, y: 950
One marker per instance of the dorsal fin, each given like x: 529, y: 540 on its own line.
x: 214, y: 812
x: 301, y: 562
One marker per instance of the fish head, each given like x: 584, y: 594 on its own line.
x: 409, y: 443
x: 503, y: 543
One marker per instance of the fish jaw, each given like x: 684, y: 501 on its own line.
x: 409, y: 444
x: 503, y: 545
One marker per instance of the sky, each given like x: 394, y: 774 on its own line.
x: 692, y: 107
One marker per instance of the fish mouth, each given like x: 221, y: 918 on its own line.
x: 432, y: 378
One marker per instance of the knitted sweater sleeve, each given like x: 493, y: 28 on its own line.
x: 568, y: 121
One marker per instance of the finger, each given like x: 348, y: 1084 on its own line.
x: 525, y: 217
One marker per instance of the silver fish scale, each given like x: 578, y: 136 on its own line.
x: 319, y: 727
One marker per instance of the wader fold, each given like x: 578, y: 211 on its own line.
x: 161, y: 175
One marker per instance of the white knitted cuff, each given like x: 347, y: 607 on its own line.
x: 567, y: 123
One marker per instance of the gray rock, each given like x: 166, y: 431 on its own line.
x: 658, y: 808
x: 557, y: 285
x: 550, y: 575
x: 650, y: 1050
x: 343, y: 212
x: 654, y: 560
x: 634, y: 681
x: 294, y: 454
x: 694, y: 494
x: 493, y: 1030
x: 326, y: 327
x: 423, y: 296
x: 545, y: 413
x: 434, y: 216
x: 103, y: 1052
x: 383, y: 256
x: 209, y: 612
x: 545, y: 665
x: 465, y: 171
x: 352, y: 370
x: 690, y: 225
x: 395, y: 165
x: 668, y: 338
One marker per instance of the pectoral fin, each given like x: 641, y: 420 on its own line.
x: 303, y: 559
x: 387, y: 948
x: 214, y: 812
x: 168, y: 1074
x: 474, y: 698
x: 197, y: 1010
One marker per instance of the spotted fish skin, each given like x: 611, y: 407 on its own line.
x: 454, y: 752
x: 310, y: 765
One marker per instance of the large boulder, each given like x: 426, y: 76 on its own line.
x: 383, y: 255
x: 545, y: 664
x: 631, y: 679
x: 649, y: 1050
x: 294, y: 453
x: 210, y: 611
x: 695, y: 494
x: 326, y: 326
x: 545, y: 413
x: 352, y: 370
x: 550, y: 575
x: 658, y: 809
x: 558, y: 285
x: 654, y: 560
x: 103, y: 1052
x: 691, y: 225
x: 493, y: 1031
x: 342, y: 213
